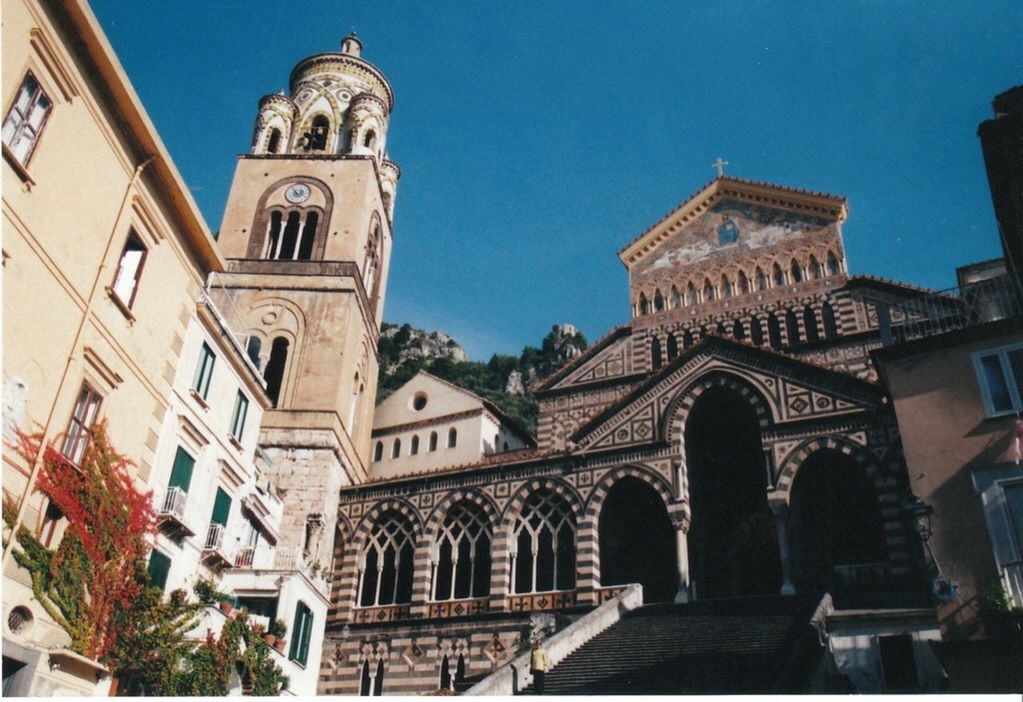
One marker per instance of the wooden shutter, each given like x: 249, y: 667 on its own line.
x: 221, y: 508
x: 181, y: 473
x: 159, y: 568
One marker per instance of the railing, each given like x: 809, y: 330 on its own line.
x: 542, y: 601
x: 245, y: 557
x: 948, y: 310
x: 173, y: 504
x: 214, y: 544
x: 608, y: 592
x: 458, y: 608
x: 1012, y: 574
x: 385, y: 613
x: 288, y: 558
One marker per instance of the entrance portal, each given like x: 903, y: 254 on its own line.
x: 637, y: 541
x: 733, y: 542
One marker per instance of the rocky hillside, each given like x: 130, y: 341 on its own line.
x: 504, y: 379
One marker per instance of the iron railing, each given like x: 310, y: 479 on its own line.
x: 173, y: 503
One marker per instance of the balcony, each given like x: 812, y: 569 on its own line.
x: 963, y: 307
x: 170, y: 512
x: 215, y: 550
x: 267, y: 509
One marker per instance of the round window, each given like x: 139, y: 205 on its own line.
x: 19, y: 620
x: 419, y: 401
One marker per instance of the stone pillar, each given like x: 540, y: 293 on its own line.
x: 587, y: 560
x: 781, y: 517
x: 681, y: 524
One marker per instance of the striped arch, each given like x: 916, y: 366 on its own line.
x: 600, y: 491
x: 678, y: 410
x: 559, y: 487
x: 790, y: 466
x: 476, y: 497
x: 370, y: 519
x: 345, y: 530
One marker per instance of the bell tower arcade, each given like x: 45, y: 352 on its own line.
x: 307, y: 234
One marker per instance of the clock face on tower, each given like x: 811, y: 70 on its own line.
x: 299, y: 192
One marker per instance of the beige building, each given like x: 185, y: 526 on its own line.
x: 428, y: 424
x: 104, y: 256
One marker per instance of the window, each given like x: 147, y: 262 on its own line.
x: 159, y: 569
x: 129, y: 270
x: 301, y: 633
x: 756, y: 332
x: 672, y: 347
x: 25, y: 119
x: 221, y: 508
x: 241, y: 408
x: 797, y: 272
x: 378, y: 452
x: 181, y: 473
x: 778, y: 275
x: 691, y: 298
x: 834, y: 267
x: 452, y: 438
x: 644, y: 306
x: 655, y: 353
x: 252, y: 349
x: 318, y: 135
x: 204, y: 371
x: 830, y: 323
x: 658, y: 301
x: 792, y: 327
x: 396, y: 448
x: 543, y: 558
x: 386, y: 564
x: 738, y: 332
x: 414, y: 445
x: 77, y: 437
x: 708, y: 291
x: 1000, y: 376
x: 676, y: 298
x: 370, y: 141
x: 274, y: 371
x: 774, y: 331
x: 275, y: 141
x: 463, y: 555
x: 761, y: 279
x: 48, y: 529
x: 433, y: 441
x: 810, y: 324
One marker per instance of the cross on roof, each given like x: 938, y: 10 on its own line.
x: 720, y: 165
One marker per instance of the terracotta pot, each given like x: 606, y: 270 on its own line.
x: 270, y: 639
x: 279, y: 644
x: 226, y: 608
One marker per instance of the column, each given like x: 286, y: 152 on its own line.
x: 781, y: 517
x: 681, y: 524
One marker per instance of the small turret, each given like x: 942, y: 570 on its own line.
x: 351, y: 45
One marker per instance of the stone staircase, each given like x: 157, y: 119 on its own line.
x: 735, y: 646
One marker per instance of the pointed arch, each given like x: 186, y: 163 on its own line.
x: 643, y: 306
x: 461, y: 553
x: 834, y: 265
x: 738, y: 332
x: 778, y: 276
x: 726, y: 286
x: 791, y: 327
x: 743, y: 283
x: 691, y: 295
x: 676, y: 298
x: 658, y: 301
x: 810, y: 324
x: 687, y: 339
x: 672, y: 348
x: 830, y: 323
x: 677, y: 411
x: 386, y: 561
x: 708, y: 290
x: 761, y: 279
x: 774, y: 331
x: 796, y: 271
x: 813, y: 269
x: 655, y: 353
x: 543, y: 544
x: 756, y: 331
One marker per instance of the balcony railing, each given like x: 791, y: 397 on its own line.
x: 949, y: 310
x: 171, y: 509
x: 289, y: 558
x: 245, y: 557
x: 215, y: 546
x: 1012, y: 574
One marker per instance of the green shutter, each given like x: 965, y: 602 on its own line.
x: 221, y: 507
x: 181, y: 474
x: 159, y: 568
x: 301, y: 633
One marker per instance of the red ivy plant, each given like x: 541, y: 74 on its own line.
x: 98, y: 568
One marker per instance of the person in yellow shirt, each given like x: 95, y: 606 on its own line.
x: 538, y: 665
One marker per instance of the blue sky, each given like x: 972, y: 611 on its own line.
x: 536, y: 139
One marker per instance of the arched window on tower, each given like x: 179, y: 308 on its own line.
x: 743, y: 283
x: 378, y: 452
x: 370, y: 140
x: 433, y: 441
x: 273, y: 144
x: 414, y: 445
x: 452, y: 438
x: 810, y: 324
x: 672, y: 347
x: 792, y: 327
x: 761, y: 279
x: 543, y: 545
x: 273, y: 238
x: 658, y: 301
x: 463, y: 554
x: 756, y: 332
x: 774, y: 331
x: 830, y: 323
x: 726, y: 286
x: 318, y: 133
x: 396, y: 449
x: 305, y: 248
x: 289, y: 239
x: 708, y: 291
x: 676, y: 298
x: 691, y: 298
x: 778, y: 276
x: 655, y: 353
x: 797, y: 272
x: 813, y: 269
x: 834, y: 267
x: 386, y: 563
x: 644, y: 306
x: 273, y: 373
x: 252, y: 349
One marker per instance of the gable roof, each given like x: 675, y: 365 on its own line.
x: 571, y: 364
x: 808, y: 201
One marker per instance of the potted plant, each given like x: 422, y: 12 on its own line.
x: 226, y: 604
x: 275, y: 631
x: 207, y: 593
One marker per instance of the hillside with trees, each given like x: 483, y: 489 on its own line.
x: 504, y: 379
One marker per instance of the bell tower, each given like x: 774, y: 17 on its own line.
x: 307, y: 234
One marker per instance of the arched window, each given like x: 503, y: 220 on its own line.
x: 386, y: 563
x: 676, y: 298
x: 708, y: 291
x: 274, y: 142
x: 305, y: 248
x: 830, y: 324
x: 543, y: 546
x: 370, y: 140
x: 738, y: 333
x: 252, y: 349
x: 658, y: 301
x: 289, y: 239
x: 761, y: 279
x: 414, y: 445
x: 273, y: 373
x: 273, y: 238
x: 687, y: 339
x: 318, y: 133
x: 779, y: 276
x: 497, y: 439
x: 691, y: 298
x: 726, y: 286
x: 433, y: 441
x: 505, y: 447
x: 378, y: 452
x: 813, y: 269
x: 797, y: 272
x: 366, y: 682
x: 810, y: 323
x: 452, y: 438
x: 721, y: 330
x: 672, y: 347
x: 445, y: 674
x: 463, y: 554
x: 774, y: 331
x: 378, y: 680
x: 644, y: 306
x: 756, y: 332
x: 834, y: 267
x: 743, y: 283
x: 792, y: 327
x: 655, y: 354
x: 396, y: 449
